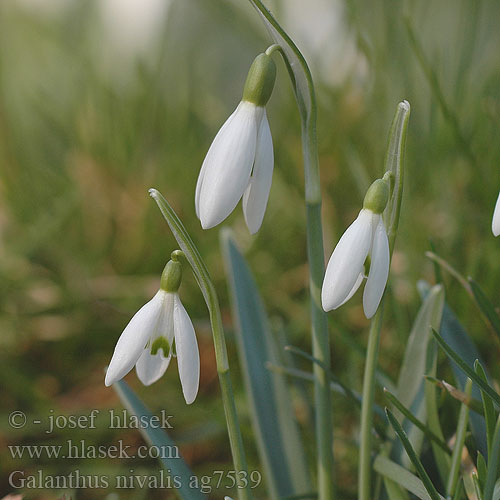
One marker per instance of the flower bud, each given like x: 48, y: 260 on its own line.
x: 377, y: 196
x: 260, y: 80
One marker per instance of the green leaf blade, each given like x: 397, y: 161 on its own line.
x: 488, y: 390
x: 176, y: 467
x: 430, y: 488
x: 485, y: 306
x: 276, y: 430
x: 402, y: 477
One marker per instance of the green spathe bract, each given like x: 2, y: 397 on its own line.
x: 260, y: 80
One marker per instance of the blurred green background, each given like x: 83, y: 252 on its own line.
x: 101, y: 100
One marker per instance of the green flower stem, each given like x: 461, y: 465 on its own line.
x: 210, y: 295
x: 321, y: 351
x: 394, y: 169
x: 226, y: 387
x: 303, y: 87
x: 319, y: 325
x: 368, y: 399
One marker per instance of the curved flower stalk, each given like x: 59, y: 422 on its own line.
x: 365, y: 236
x: 239, y: 163
x: 495, y: 223
x: 149, y: 339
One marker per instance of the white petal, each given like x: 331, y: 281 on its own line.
x: 186, y: 347
x: 354, y: 288
x: 134, y: 338
x: 150, y: 368
x: 201, y: 175
x: 346, y: 262
x: 257, y: 192
x: 379, y: 271
x: 228, y: 165
x: 495, y: 224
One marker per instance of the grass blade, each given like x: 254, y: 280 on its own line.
x: 464, y: 398
x: 456, y: 457
x: 402, y: 477
x: 395, y: 491
x: 277, y: 434
x: 415, y: 421
x: 347, y: 391
x: 457, y: 338
x: 489, y: 411
x: 482, y: 469
x: 354, y: 396
x: 493, y: 465
x: 429, y: 487
x: 414, y: 367
x: 431, y: 408
x: 488, y: 390
x: 176, y: 467
x: 485, y: 306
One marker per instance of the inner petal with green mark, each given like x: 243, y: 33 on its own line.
x: 160, y: 343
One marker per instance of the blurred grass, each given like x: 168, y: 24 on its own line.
x: 85, y: 132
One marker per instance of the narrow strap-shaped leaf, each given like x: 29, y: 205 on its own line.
x: 458, y: 339
x: 485, y: 306
x: 478, y: 490
x: 403, y: 477
x: 176, y: 467
x: 383, y: 379
x: 395, y: 491
x: 431, y: 408
x: 496, y: 491
x: 456, y: 458
x: 482, y: 469
x: 413, y: 369
x: 472, y: 488
x: 303, y: 375
x: 474, y: 404
x: 493, y: 465
x: 458, y: 491
x: 347, y: 391
x: 273, y: 420
x: 489, y: 411
x: 488, y: 390
x: 354, y: 396
x: 430, y: 488
x: 415, y: 421
x: 473, y: 289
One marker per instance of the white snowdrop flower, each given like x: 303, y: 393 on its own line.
x: 365, y: 236
x: 151, y: 335
x: 495, y: 223
x: 239, y: 163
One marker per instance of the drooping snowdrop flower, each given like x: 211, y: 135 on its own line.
x: 239, y: 163
x: 152, y: 334
x: 345, y: 270
x: 495, y: 223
